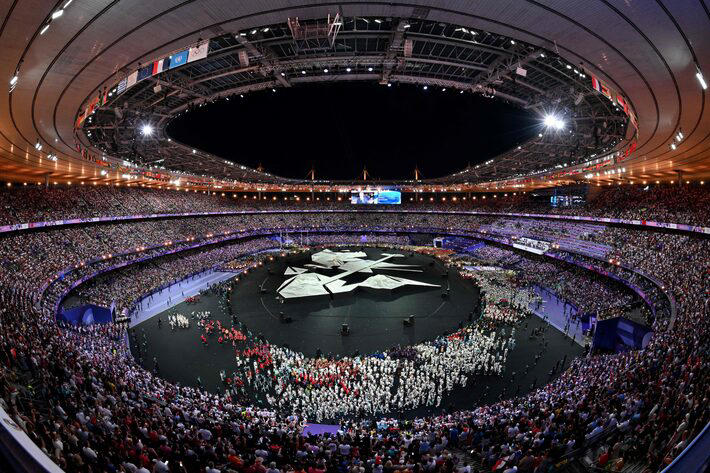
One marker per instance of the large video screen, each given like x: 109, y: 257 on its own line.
x: 567, y: 200
x: 373, y: 197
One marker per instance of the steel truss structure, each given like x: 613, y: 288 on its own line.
x: 385, y: 50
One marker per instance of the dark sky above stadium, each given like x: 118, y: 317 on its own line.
x: 341, y: 128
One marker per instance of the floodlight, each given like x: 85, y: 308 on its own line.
x: 147, y: 130
x: 552, y: 121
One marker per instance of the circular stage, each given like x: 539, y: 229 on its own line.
x: 303, y: 300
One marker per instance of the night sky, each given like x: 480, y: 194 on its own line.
x: 339, y: 128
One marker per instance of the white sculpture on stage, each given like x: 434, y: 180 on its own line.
x: 304, y: 283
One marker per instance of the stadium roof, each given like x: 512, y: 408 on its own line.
x: 646, y: 57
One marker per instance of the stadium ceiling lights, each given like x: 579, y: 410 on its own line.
x: 147, y: 130
x: 56, y: 14
x: 13, y: 82
x: 552, y: 121
x: 701, y: 79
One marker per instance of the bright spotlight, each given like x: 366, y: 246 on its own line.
x: 147, y: 130
x: 552, y: 121
x: 701, y: 79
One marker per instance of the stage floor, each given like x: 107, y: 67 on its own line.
x: 375, y: 317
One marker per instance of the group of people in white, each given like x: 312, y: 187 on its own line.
x: 503, y: 301
x: 363, y: 386
x: 178, y: 321
x: 201, y: 314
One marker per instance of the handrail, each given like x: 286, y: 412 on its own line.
x: 23, y: 454
x: 695, y: 457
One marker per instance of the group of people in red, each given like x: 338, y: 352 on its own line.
x: 225, y: 334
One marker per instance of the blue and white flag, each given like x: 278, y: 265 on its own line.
x: 179, y: 59
x: 121, y: 87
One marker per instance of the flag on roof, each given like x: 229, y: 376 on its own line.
x: 132, y: 79
x: 198, y: 52
x: 179, y: 59
x: 121, y: 88
x: 596, y: 84
x: 79, y: 120
x: 145, y: 72
x: 158, y: 67
x: 622, y: 103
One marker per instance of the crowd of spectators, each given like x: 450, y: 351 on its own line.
x: 124, y: 288
x: 80, y: 396
x: 496, y: 256
x: 675, y: 203
x: 680, y: 203
x: 354, y: 240
x: 590, y: 293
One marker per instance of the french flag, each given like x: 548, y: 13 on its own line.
x: 158, y: 67
x: 596, y: 84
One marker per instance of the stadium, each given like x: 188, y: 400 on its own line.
x: 354, y: 237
